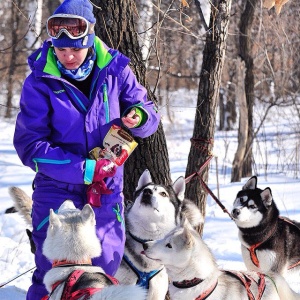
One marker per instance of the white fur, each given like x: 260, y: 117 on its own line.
x: 266, y: 259
x: 248, y: 217
x: 71, y: 236
x: 151, y: 222
x: 59, y: 241
x: 186, y: 256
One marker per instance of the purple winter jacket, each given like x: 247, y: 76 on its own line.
x: 58, y: 125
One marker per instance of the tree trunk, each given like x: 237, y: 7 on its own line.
x: 245, y: 39
x: 15, y: 16
x: 236, y: 173
x: 208, y: 93
x: 116, y: 27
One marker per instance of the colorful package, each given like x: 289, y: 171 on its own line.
x: 118, y: 145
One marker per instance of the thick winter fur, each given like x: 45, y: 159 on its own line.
x: 22, y: 203
x: 189, y: 262
x: 156, y: 210
x: 71, y: 237
x: 276, y: 239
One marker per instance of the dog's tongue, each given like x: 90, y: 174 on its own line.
x: 143, y: 252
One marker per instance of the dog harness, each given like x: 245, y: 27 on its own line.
x: 143, y: 277
x: 247, y: 280
x: 185, y: 284
x: 84, y: 294
x: 252, y: 249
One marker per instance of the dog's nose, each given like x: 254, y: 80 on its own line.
x: 145, y: 246
x: 235, y: 212
x: 148, y: 192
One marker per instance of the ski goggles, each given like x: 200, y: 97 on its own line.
x: 75, y: 27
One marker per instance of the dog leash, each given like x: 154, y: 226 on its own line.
x: 205, y: 186
x: 14, y: 278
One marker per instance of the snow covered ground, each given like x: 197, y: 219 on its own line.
x: 276, y: 165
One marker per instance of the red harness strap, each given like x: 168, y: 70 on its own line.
x: 252, y: 249
x: 207, y: 293
x: 247, y: 280
x: 253, y: 256
x: 64, y: 262
x: 68, y: 294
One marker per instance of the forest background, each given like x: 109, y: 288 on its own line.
x: 231, y: 67
x: 235, y: 55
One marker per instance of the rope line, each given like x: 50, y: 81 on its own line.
x: 14, y: 278
x: 203, y: 145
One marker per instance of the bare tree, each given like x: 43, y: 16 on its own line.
x: 11, y: 49
x: 116, y: 27
x: 22, y: 31
x: 245, y: 49
x: 236, y: 173
x: 209, y: 85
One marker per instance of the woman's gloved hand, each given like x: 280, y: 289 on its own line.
x: 104, y: 168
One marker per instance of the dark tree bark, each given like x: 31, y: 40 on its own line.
x: 15, y: 16
x: 245, y: 50
x: 236, y: 172
x: 116, y: 27
x: 52, y: 5
x: 208, y: 97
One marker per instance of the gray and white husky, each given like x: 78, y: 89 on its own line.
x: 156, y: 210
x: 70, y: 244
x: 194, y: 274
x: 269, y: 242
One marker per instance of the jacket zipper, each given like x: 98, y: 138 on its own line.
x: 106, y: 104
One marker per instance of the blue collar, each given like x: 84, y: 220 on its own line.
x: 143, y: 277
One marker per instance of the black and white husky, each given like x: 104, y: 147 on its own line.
x: 156, y: 210
x: 269, y: 242
x: 70, y: 244
x: 194, y: 274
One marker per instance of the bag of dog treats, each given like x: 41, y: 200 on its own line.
x: 118, y: 145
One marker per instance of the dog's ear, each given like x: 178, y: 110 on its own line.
x: 144, y: 179
x: 87, y: 214
x: 266, y: 197
x: 66, y: 205
x: 187, y: 235
x: 179, y: 188
x: 54, y: 219
x: 251, y: 184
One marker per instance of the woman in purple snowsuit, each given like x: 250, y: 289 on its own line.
x: 77, y: 89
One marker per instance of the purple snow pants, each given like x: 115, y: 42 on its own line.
x: 109, y: 226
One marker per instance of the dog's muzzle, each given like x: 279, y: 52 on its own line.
x: 147, y: 196
x: 235, y: 213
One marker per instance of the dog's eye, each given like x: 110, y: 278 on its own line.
x: 252, y: 206
x: 243, y: 199
x: 169, y: 245
x: 164, y: 194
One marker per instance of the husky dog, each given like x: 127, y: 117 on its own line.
x: 70, y: 244
x: 23, y: 205
x: 156, y: 210
x: 269, y: 242
x: 194, y: 274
